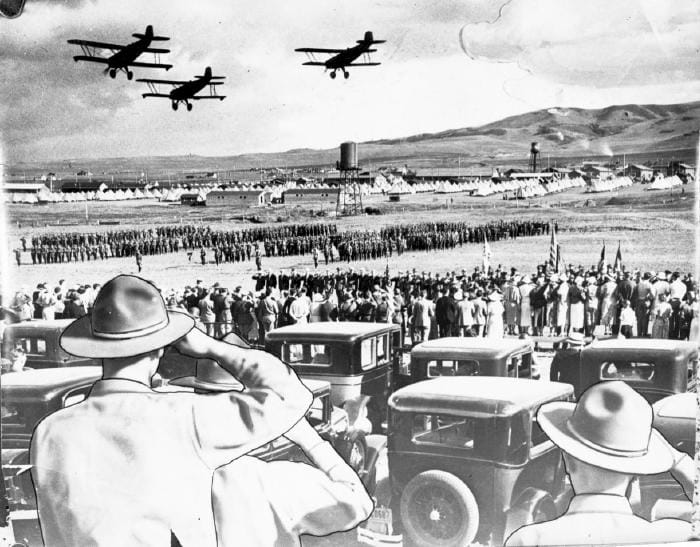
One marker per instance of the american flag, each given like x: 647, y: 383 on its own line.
x: 486, y: 256
x: 601, y: 262
x: 618, y: 258
x: 553, y: 248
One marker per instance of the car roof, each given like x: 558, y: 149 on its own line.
x: 329, y: 330
x: 473, y: 346
x: 46, y: 383
x: 39, y: 324
x: 477, y: 395
x: 680, y: 405
x: 647, y: 344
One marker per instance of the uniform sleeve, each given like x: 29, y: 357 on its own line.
x: 230, y: 424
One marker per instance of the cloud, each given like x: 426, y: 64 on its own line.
x: 595, y: 43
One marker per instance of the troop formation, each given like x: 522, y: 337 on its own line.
x: 297, y: 239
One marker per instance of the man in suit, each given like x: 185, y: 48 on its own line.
x: 132, y: 466
x: 607, y: 439
x: 422, y: 313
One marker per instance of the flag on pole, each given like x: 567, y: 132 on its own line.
x: 601, y: 262
x: 486, y: 256
x: 618, y: 258
x: 553, y: 248
x: 561, y: 267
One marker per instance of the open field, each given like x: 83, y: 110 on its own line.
x: 655, y: 229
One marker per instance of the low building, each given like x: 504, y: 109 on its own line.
x: 236, y: 198
x: 192, y: 198
x: 311, y: 196
x: 641, y: 173
x: 23, y: 188
x: 72, y: 186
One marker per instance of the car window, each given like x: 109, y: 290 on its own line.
x: 367, y: 354
x: 454, y: 431
x: 32, y: 345
x: 307, y: 354
x: 450, y: 367
x: 692, y: 371
x: 381, y: 343
x: 627, y: 370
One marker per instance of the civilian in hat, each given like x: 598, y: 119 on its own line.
x: 661, y: 318
x: 607, y: 440
x: 525, y: 320
x: 132, y: 466
x: 576, y: 299
x: 494, y: 315
x: 259, y: 503
x: 607, y: 297
x: 643, y: 297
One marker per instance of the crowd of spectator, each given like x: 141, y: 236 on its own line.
x: 494, y: 303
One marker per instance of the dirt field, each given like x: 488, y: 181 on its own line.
x: 655, y: 230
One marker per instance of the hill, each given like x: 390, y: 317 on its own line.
x: 561, y: 132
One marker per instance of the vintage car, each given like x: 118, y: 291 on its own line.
x: 453, y: 356
x: 468, y: 462
x: 357, y: 359
x: 674, y: 417
x: 655, y: 368
x: 39, y: 340
x: 30, y: 395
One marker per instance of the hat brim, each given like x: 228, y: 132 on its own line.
x: 193, y: 382
x: 553, y: 417
x: 78, y: 339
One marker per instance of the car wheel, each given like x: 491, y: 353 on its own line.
x: 438, y: 509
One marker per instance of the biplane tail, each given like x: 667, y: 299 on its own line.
x: 149, y: 34
x: 207, y: 74
x: 369, y: 39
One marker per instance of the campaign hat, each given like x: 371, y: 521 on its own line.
x: 129, y: 318
x: 610, y: 427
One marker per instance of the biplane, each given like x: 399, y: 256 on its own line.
x: 123, y: 57
x: 184, y: 92
x: 343, y: 58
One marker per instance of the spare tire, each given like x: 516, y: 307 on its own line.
x: 438, y: 509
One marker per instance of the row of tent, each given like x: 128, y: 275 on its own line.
x: 665, y: 183
x: 608, y: 185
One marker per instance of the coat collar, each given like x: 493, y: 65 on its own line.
x: 118, y: 385
x: 599, y: 503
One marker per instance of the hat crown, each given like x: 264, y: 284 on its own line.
x: 128, y: 307
x: 612, y: 418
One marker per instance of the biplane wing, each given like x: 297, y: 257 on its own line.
x: 166, y: 82
x: 144, y: 95
x: 156, y: 50
x: 100, y: 45
x: 364, y: 64
x: 151, y: 65
x: 198, y: 97
x: 313, y: 63
x: 318, y: 50
x: 91, y: 59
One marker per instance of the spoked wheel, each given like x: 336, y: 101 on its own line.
x: 438, y: 509
x: 358, y: 454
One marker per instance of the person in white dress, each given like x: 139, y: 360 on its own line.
x: 494, y: 315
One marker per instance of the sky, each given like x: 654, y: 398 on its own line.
x: 446, y: 64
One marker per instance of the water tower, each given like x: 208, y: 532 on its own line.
x: 350, y: 197
x: 534, y: 152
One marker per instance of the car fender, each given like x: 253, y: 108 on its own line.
x: 522, y: 512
